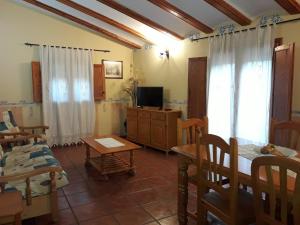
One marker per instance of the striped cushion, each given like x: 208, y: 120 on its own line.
x: 1, y: 156
x: 8, y: 124
x: 9, y: 117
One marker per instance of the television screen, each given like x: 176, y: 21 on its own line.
x: 150, y: 96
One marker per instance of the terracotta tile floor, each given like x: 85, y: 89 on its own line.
x: 149, y: 197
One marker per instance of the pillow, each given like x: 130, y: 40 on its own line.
x: 3, y: 127
x: 8, y: 127
x: 1, y: 156
x: 9, y: 123
x: 9, y: 117
x: 1, y: 152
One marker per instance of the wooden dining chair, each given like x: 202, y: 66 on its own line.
x: 283, y: 204
x: 217, y: 160
x: 187, y: 130
x: 285, y: 133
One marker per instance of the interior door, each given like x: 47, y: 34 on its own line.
x: 197, y: 87
x: 283, y: 73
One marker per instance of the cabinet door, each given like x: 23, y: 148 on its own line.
x: 144, y: 130
x: 132, y: 128
x: 158, y: 133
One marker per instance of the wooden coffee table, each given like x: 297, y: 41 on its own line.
x: 108, y: 161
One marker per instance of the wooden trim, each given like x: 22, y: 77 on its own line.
x: 138, y: 17
x: 291, y: 6
x: 84, y: 23
x: 182, y: 15
x: 103, y: 18
x: 230, y: 11
x: 25, y: 175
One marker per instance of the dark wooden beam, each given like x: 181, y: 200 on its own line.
x: 113, y: 4
x: 84, y: 23
x: 182, y: 15
x: 291, y: 6
x: 103, y: 18
x: 230, y: 11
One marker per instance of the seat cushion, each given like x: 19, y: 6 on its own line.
x: 245, y: 208
x: 28, y: 158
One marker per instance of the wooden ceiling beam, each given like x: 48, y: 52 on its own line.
x: 84, y: 23
x: 113, y: 4
x: 182, y: 15
x: 291, y: 6
x: 103, y: 18
x: 230, y: 11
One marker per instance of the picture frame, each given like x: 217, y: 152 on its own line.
x: 113, y: 69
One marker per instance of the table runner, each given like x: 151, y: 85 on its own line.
x: 252, y: 151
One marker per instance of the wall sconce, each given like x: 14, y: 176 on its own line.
x: 165, y: 53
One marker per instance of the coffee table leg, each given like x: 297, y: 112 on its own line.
x: 131, y: 164
x: 88, y: 155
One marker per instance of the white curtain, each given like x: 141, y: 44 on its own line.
x: 221, y: 85
x: 240, y: 85
x: 68, y: 101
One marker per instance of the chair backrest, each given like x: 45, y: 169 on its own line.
x: 275, y: 187
x: 187, y: 129
x: 285, y: 133
x: 211, y: 153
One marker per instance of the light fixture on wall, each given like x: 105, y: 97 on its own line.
x: 165, y: 53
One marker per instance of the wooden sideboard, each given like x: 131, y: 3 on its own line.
x: 153, y: 128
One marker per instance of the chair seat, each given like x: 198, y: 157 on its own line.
x: 10, y: 203
x: 245, y: 215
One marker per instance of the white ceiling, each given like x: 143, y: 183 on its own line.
x: 196, y: 8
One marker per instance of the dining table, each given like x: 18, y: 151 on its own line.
x: 187, y: 156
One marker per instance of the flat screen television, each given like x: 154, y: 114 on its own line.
x: 150, y: 96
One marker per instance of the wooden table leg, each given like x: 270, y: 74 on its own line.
x: 18, y: 220
x: 183, y: 165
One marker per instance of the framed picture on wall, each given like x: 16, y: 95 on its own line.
x: 113, y: 69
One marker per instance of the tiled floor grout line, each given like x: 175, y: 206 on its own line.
x: 86, y: 181
x: 66, y: 198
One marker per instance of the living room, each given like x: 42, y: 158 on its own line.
x: 149, y: 195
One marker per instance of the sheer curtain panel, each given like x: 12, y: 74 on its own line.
x: 240, y: 69
x: 221, y: 85
x: 68, y: 101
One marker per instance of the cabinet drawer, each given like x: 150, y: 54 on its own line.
x: 158, y: 116
x: 131, y: 113
x: 144, y: 114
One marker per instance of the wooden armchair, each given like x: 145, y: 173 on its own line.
x: 285, y: 133
x: 282, y: 206
x: 33, y: 205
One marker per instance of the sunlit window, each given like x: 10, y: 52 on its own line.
x: 60, y: 90
x: 82, y: 90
